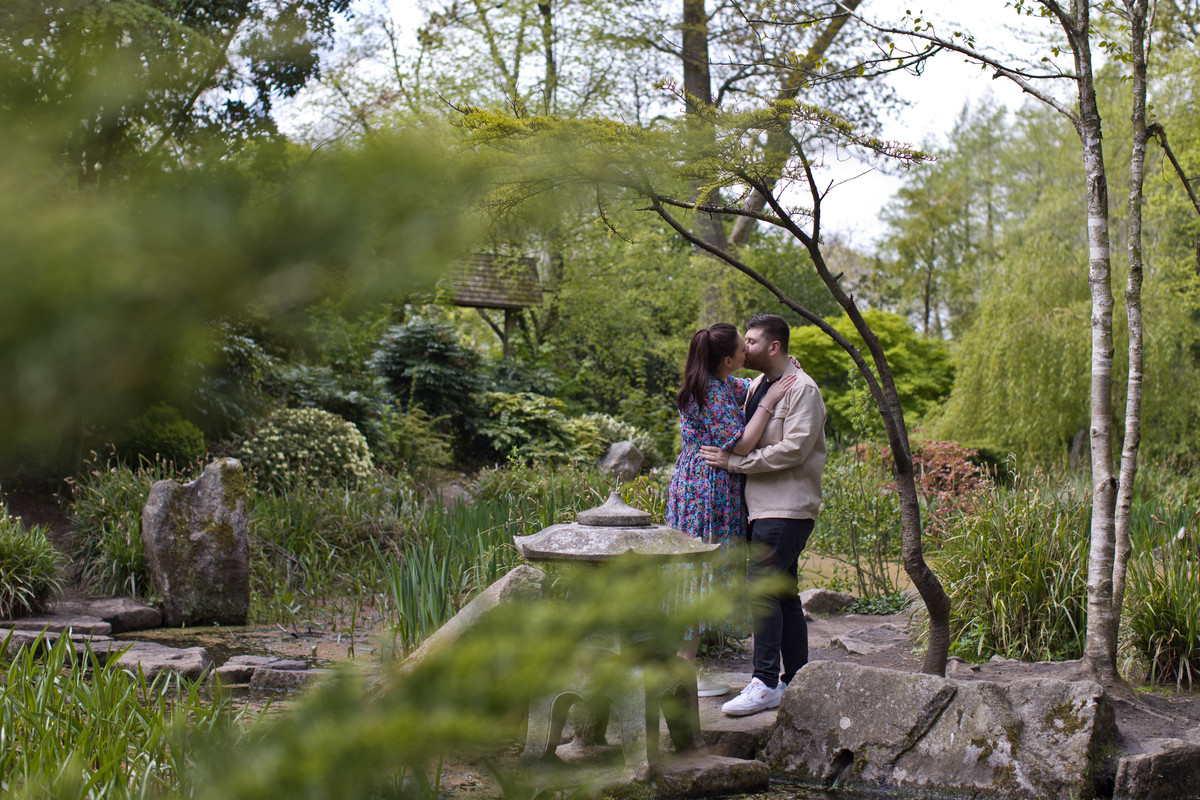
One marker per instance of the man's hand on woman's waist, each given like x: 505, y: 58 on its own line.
x: 715, y: 456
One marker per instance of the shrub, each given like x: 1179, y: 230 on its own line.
x: 413, y: 440
x: 307, y: 446
x: 659, y: 419
x: 358, y: 400
x: 161, y: 431
x: 231, y: 388
x: 948, y: 480
x: 1163, y: 617
x: 860, y: 524
x: 1015, y: 568
x: 922, y: 367
x: 588, y: 442
x: 528, y: 426
x: 425, y: 364
x: 29, y: 567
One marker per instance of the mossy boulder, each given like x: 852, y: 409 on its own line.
x: 197, y: 547
x: 876, y: 728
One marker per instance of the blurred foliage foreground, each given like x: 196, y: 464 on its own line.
x: 110, y: 291
x: 373, y: 729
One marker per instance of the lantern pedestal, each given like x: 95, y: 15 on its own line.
x: 645, y: 697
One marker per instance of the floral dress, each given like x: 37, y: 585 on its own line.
x: 704, y: 501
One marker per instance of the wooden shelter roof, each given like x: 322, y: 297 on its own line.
x: 485, y: 280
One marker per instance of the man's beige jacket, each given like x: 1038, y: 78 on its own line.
x: 783, y: 472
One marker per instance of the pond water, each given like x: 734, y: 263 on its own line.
x: 318, y: 647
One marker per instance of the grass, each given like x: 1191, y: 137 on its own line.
x: 30, y: 567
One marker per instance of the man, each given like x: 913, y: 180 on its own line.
x: 783, y: 496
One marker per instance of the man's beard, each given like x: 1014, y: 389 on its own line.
x: 752, y: 362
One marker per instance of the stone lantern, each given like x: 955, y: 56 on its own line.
x: 605, y: 533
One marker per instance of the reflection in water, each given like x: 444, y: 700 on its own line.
x: 782, y: 790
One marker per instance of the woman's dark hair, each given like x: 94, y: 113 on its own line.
x: 709, y: 347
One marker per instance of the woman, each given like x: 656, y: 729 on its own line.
x: 703, y: 501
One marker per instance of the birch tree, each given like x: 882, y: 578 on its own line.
x: 1080, y: 36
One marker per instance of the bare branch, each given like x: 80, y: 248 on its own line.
x: 1160, y: 135
x: 1020, y: 77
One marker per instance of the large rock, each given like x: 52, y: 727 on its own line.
x: 825, y: 601
x: 1171, y: 773
x: 520, y: 583
x: 197, y: 551
x: 623, y: 460
x: 872, y: 727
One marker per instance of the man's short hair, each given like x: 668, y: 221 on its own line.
x: 774, y: 326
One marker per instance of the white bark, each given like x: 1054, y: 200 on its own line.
x: 1139, y: 55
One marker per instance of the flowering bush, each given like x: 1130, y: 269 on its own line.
x: 307, y: 446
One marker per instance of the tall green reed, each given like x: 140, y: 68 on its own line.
x: 88, y: 730
x: 315, y: 548
x: 1162, y: 616
x: 460, y: 549
x: 1015, y: 568
x: 106, y: 506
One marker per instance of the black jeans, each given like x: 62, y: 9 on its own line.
x: 780, y: 630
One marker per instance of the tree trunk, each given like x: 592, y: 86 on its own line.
x: 551, y: 85
x: 697, y: 84
x: 794, y: 82
x: 887, y: 400
x: 1133, y: 310
x: 1100, y: 648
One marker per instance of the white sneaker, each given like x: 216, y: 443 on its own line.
x: 757, y: 696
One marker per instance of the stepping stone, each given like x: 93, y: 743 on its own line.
x: 241, y: 669
x: 79, y: 624
x: 154, y: 659
x: 123, y: 613
x: 710, y: 776
x: 876, y: 639
x: 42, y: 641
x: 267, y: 678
